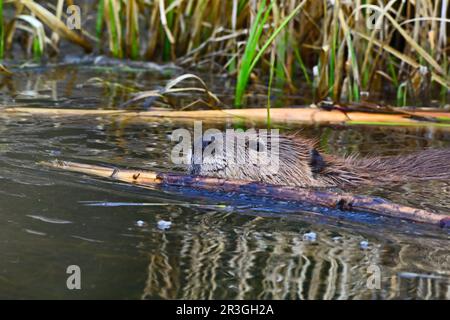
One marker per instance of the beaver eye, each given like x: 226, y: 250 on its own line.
x: 316, y: 161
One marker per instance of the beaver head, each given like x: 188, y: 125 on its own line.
x: 280, y: 160
x: 296, y: 161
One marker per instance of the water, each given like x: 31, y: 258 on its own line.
x: 217, y: 246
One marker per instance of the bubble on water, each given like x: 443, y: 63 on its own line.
x: 54, y: 153
x: 163, y: 225
x: 141, y: 223
x: 310, y: 236
x: 364, y: 245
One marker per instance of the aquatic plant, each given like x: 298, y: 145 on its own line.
x: 343, y: 50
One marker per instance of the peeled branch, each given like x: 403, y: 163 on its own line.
x: 278, y: 115
x: 324, y: 198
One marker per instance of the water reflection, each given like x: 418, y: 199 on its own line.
x: 249, y: 249
x: 250, y: 263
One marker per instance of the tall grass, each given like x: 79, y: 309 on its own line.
x: 250, y: 65
x: 353, y: 46
x: 250, y: 51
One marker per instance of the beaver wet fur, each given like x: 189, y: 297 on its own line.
x: 302, y: 164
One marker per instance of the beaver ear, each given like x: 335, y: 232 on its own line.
x: 316, y: 161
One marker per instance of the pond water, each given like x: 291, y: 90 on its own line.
x: 218, y: 246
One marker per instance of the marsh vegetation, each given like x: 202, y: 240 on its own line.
x: 342, y: 50
x: 106, y: 82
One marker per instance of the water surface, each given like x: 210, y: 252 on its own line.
x: 218, y: 246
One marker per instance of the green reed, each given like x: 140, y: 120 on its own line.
x: 238, y: 37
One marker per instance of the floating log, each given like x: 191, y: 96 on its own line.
x: 324, y: 198
x: 278, y: 115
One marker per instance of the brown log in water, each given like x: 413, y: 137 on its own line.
x: 147, y: 179
x: 278, y: 115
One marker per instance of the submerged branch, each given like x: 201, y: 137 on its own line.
x: 322, y: 198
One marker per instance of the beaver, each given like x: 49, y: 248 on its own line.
x: 302, y: 164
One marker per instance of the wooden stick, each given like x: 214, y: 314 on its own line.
x: 311, y: 196
x: 279, y: 115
